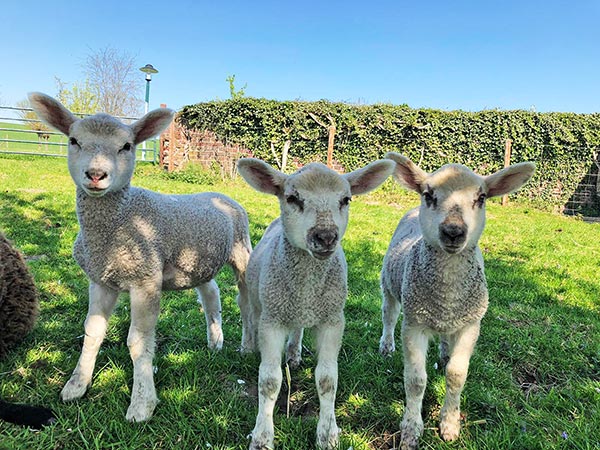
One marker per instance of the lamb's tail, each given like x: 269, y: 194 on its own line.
x: 26, y: 415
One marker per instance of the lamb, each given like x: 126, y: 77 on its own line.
x: 433, y: 271
x: 19, y: 306
x: 297, y: 279
x: 143, y: 242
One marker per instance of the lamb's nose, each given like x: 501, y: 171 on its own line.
x: 325, y: 238
x: 96, y: 175
x: 453, y: 232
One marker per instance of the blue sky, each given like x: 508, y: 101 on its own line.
x: 470, y: 55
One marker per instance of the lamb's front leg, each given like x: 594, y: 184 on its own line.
x: 414, y: 343
x: 271, y: 339
x: 145, y: 303
x: 101, y: 304
x: 329, y: 340
x: 460, y: 349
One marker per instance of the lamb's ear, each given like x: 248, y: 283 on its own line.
x: 509, y: 179
x: 261, y: 176
x: 52, y: 112
x: 369, y: 177
x: 152, y: 124
x: 407, y: 173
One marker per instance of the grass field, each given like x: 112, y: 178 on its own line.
x: 534, y: 381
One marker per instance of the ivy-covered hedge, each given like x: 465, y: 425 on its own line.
x: 562, y: 144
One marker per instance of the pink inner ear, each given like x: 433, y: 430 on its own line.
x: 265, y: 180
x: 409, y: 178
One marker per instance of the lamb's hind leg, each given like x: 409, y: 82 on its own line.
x: 239, y: 262
x: 329, y: 340
x: 460, y: 348
x: 101, y: 304
x: 293, y: 349
x: 208, y: 296
x: 145, y: 303
x: 390, y: 311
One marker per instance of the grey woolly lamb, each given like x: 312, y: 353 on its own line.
x: 140, y: 241
x: 433, y: 271
x: 297, y: 279
x: 19, y: 307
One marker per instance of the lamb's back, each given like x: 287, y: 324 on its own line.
x: 189, y: 237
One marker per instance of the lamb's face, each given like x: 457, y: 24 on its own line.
x: 314, y: 209
x: 101, y: 154
x: 452, y: 214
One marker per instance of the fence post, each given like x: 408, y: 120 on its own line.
x: 507, y: 152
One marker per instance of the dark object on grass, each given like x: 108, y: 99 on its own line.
x: 19, y: 307
x: 25, y: 415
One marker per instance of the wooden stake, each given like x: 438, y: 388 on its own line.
x: 507, y: 152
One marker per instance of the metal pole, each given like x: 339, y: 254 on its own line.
x: 146, y: 106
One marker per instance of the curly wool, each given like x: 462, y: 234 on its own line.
x: 19, y: 307
x: 295, y: 289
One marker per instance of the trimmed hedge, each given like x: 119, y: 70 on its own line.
x: 562, y: 144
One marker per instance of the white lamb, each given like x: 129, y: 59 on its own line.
x: 140, y: 241
x: 433, y: 271
x: 297, y: 278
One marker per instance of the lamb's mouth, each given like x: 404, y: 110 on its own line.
x: 95, y: 191
x: 323, y: 254
x: 452, y: 248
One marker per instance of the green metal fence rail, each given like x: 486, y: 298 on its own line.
x: 20, y: 135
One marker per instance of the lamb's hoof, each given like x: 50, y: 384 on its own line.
x: 140, y: 411
x: 409, y: 441
x: 215, y: 338
x: 411, y: 430
x: 247, y: 347
x: 73, y: 390
x: 294, y: 361
x: 328, y: 440
x: 449, y: 429
x: 387, y: 348
x: 262, y: 442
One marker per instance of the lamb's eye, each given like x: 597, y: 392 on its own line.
x: 126, y: 147
x: 481, y: 200
x: 294, y: 200
x: 345, y: 201
x: 429, y: 199
x: 73, y: 141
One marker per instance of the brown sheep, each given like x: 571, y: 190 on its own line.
x: 19, y: 307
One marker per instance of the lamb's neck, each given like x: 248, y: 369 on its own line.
x: 101, y: 213
x: 449, y: 267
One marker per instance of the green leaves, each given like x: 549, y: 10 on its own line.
x: 562, y: 144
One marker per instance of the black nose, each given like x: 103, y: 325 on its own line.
x: 325, y: 238
x: 96, y: 175
x: 453, y: 233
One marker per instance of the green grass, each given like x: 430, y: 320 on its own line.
x: 535, y: 373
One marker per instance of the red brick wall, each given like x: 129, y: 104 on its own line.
x: 180, y: 146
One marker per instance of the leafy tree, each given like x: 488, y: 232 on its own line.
x: 79, y: 97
